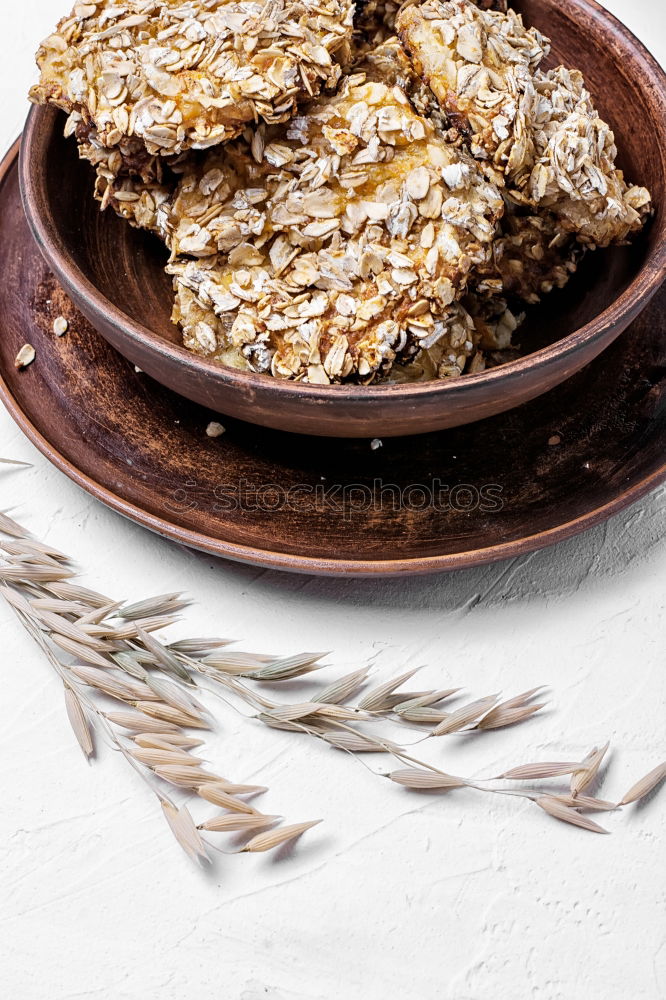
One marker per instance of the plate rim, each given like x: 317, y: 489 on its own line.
x: 314, y: 565
x: 326, y: 566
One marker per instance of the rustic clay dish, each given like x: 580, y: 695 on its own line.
x: 114, y: 274
x: 456, y: 498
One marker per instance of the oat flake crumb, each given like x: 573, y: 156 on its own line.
x: 215, y: 430
x: 25, y: 356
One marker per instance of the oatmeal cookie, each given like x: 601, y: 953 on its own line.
x: 571, y: 172
x: 477, y: 64
x: 328, y: 247
x: 181, y: 74
x: 536, y: 132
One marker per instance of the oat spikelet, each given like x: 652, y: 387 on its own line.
x: 161, y: 605
x: 291, y: 713
x: 57, y: 604
x: 392, y: 700
x: 236, y: 663
x: 197, y: 646
x: 10, y: 527
x: 234, y: 824
x: 375, y: 699
x: 288, y: 666
x: 27, y: 573
x: 166, y: 741
x: 185, y: 831
x: 290, y: 727
x: 343, y: 688
x: 424, y: 700
x: 218, y: 791
x: 519, y: 700
x: 555, y: 808
x: 81, y: 651
x: 415, y: 777
x: 213, y: 791
x: 590, y: 765
x: 94, y: 615
x: 340, y: 712
x: 154, y: 757
x: 185, y: 776
x: 129, y: 663
x: 74, y: 592
x: 16, y: 599
x: 139, y: 722
x: 272, y: 839
x: 115, y: 687
x: 501, y: 716
x: 358, y: 742
x: 164, y: 657
x: 35, y: 551
x: 175, y: 696
x: 422, y: 715
x: 464, y: 716
x: 586, y: 803
x: 645, y: 785
x: 78, y: 721
x: 116, y: 630
x: 158, y: 710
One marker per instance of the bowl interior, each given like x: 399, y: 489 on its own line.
x: 126, y: 265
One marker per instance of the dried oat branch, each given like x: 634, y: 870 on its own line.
x: 315, y: 719
x: 327, y: 718
x: 105, y: 648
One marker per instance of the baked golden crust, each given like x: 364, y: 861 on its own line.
x: 537, y: 133
x: 476, y: 62
x: 386, y: 225
x: 338, y: 243
x: 181, y: 74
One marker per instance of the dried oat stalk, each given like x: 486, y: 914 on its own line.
x: 346, y: 730
x: 104, y: 649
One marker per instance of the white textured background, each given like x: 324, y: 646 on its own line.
x: 394, y: 897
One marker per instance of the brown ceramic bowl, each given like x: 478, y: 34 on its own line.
x: 114, y: 274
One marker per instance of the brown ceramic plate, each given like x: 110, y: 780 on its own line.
x: 114, y: 274
x: 438, y: 501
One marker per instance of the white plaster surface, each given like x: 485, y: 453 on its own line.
x: 394, y: 897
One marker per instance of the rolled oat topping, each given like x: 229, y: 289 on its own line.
x: 329, y: 247
x: 383, y: 224
x: 538, y: 133
x: 572, y: 172
x: 477, y: 63
x: 182, y: 74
